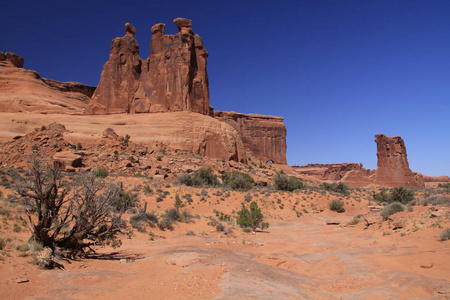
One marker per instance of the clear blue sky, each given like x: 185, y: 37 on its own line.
x: 339, y: 72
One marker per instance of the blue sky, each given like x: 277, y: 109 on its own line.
x: 339, y: 72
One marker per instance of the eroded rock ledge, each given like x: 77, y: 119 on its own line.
x: 263, y: 136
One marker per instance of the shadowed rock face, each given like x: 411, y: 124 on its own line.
x: 264, y: 136
x: 15, y: 59
x: 120, y: 77
x: 172, y: 79
x: 392, y: 167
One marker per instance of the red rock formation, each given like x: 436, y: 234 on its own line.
x: 436, y: 179
x: 24, y: 90
x: 392, y: 167
x: 173, y: 78
x: 264, y: 136
x: 70, y: 87
x: 352, y: 174
x: 120, y: 77
x: 15, y: 59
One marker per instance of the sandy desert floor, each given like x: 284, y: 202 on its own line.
x: 296, y: 258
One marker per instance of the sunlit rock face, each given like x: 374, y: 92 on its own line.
x: 393, y: 167
x: 173, y: 78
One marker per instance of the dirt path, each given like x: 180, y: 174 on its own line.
x: 296, y: 260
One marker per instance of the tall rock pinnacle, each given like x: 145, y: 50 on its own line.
x: 172, y: 78
x: 392, y: 167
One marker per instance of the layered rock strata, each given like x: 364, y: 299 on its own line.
x: 263, y: 136
x: 352, y: 174
x: 392, y: 166
x: 172, y: 79
x: 24, y: 90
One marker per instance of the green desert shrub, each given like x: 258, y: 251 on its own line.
x: 444, y: 185
x: 251, y: 218
x: 340, y: 188
x: 201, y: 177
x: 437, y: 200
x: 173, y: 215
x: 220, y: 228
x: 381, y: 197
x: 284, y: 182
x: 101, y: 172
x: 445, y: 235
x: 141, y: 220
x: 337, y: 205
x: 391, y: 209
x: 401, y: 194
x: 165, y: 224
x: 238, y: 180
x: 124, y: 200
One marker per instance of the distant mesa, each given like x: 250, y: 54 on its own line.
x: 392, y: 168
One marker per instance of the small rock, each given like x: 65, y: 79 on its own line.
x: 397, y: 225
x: 428, y: 266
x: 22, y: 280
x: 330, y: 222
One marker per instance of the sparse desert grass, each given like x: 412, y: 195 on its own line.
x: 337, y: 205
x: 284, y: 182
x: 141, y: 220
x: 445, y: 235
x: 340, y: 188
x: 436, y: 200
x: 391, y: 209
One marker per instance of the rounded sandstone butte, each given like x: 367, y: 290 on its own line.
x: 158, y: 28
x: 130, y: 28
x: 182, y: 22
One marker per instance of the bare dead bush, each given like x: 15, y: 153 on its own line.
x: 68, y: 216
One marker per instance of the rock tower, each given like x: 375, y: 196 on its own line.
x: 392, y: 167
x: 172, y: 78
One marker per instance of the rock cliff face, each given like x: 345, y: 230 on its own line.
x: 15, y: 59
x: 392, y: 167
x: 172, y: 79
x: 24, y: 90
x: 188, y: 132
x: 264, y: 136
x: 352, y: 174
x: 120, y: 77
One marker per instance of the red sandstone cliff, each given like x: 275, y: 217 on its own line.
x: 264, y: 136
x: 24, y: 90
x: 393, y: 167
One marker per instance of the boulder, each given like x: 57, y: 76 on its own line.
x: 110, y: 133
x: 67, y: 159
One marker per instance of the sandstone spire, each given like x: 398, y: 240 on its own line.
x: 392, y: 167
x: 120, y: 77
x: 172, y: 78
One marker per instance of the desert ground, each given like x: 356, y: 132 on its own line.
x: 308, y: 252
